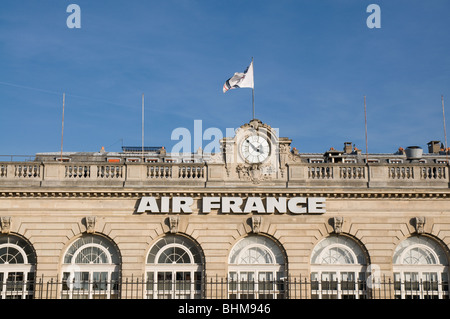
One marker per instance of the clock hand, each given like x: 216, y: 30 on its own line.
x: 253, y: 146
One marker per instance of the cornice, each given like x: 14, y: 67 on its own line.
x: 127, y: 194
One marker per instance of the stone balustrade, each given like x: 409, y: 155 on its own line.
x: 411, y: 175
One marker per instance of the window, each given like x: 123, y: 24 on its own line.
x: 174, y: 269
x: 90, y: 269
x: 256, y: 269
x: 395, y: 161
x: 133, y: 160
x: 338, y: 266
x: 420, y: 269
x: 17, y: 268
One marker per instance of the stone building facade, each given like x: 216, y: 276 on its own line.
x: 257, y: 220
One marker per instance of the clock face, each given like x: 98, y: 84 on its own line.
x: 255, y: 149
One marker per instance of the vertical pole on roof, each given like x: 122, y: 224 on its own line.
x: 445, y: 130
x: 365, y: 124
x: 62, y: 126
x: 142, y: 127
x: 253, y: 93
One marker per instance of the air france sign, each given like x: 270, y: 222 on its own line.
x: 233, y: 205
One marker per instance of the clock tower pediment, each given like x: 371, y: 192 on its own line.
x: 255, y: 154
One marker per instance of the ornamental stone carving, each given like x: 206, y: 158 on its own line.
x: 255, y: 173
x: 90, y: 224
x: 419, y: 224
x: 256, y: 224
x: 337, y: 224
x: 5, y: 224
x: 173, y: 224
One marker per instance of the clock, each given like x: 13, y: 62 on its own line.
x: 255, y: 149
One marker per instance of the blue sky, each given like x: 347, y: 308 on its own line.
x: 314, y: 60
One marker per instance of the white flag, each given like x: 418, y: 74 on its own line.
x: 240, y: 80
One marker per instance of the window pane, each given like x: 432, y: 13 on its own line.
x: 232, y: 280
x: 91, y: 251
x: 411, y: 281
x: 338, y: 250
x: 198, y: 280
x: 265, y: 280
x: 329, y: 281
x: 165, y: 280
x: 255, y: 255
x: 347, y: 281
x: 14, y: 282
x: 150, y: 280
x: 247, y: 281
x: 81, y: 281
x: 174, y: 255
x: 187, y: 245
x: 10, y: 255
x: 99, y: 280
x: 419, y: 250
x: 91, y: 255
x: 114, y: 280
x: 65, y: 279
x: 256, y: 250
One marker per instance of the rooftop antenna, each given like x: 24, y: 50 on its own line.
x: 445, y: 131
x: 142, y: 127
x: 365, y: 124
x: 62, y: 126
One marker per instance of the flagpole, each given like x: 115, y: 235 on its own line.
x: 253, y: 102
x: 62, y: 126
x: 253, y: 90
x: 445, y: 131
x: 365, y: 124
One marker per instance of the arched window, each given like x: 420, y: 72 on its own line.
x: 420, y: 268
x: 174, y: 268
x: 256, y: 269
x: 17, y: 267
x: 90, y: 269
x: 338, y: 266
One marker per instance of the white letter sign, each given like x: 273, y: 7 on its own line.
x: 233, y: 205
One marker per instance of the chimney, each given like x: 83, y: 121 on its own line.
x: 434, y: 147
x: 348, y: 147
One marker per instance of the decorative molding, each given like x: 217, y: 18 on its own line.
x: 256, y: 173
x: 337, y: 224
x: 256, y: 224
x: 419, y: 223
x: 90, y: 224
x: 256, y: 125
x: 5, y: 224
x: 289, y: 192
